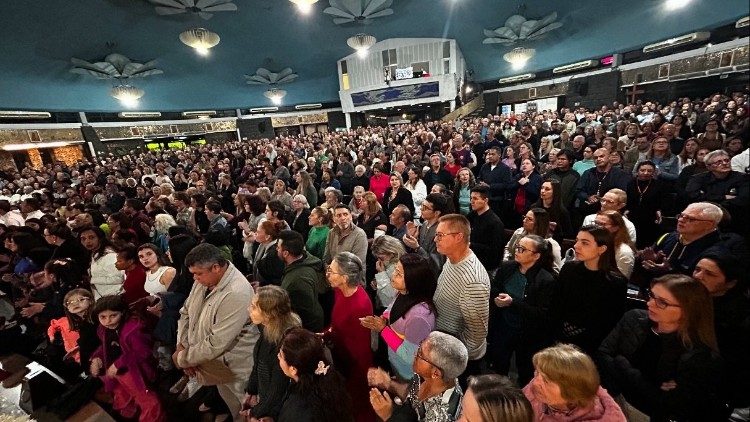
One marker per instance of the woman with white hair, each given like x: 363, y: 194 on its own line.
x: 160, y: 233
x: 299, y: 218
x: 433, y: 394
x: 351, y: 341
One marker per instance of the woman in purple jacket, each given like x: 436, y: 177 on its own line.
x: 124, y: 360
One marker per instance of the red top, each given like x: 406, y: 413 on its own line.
x: 351, y: 348
x: 133, y: 284
x: 379, y: 184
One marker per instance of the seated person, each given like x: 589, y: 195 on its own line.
x: 613, y: 200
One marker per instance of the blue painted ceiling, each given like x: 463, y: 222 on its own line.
x: 39, y: 38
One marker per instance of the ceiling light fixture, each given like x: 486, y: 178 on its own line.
x: 128, y: 95
x: 519, y: 56
x: 201, y: 39
x: 675, y: 4
x: 275, y: 95
x: 361, y: 43
x: 304, y: 6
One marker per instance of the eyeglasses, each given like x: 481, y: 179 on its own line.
x: 607, y: 201
x: 421, y: 357
x: 330, y: 271
x: 661, y: 303
x: 720, y: 161
x: 689, y: 219
x: 521, y: 249
x: 440, y: 236
x: 76, y: 302
x: 425, y: 207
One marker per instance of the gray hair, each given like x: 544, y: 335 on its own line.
x: 448, y: 353
x: 361, y: 168
x: 204, y: 256
x: 718, y: 153
x: 388, y: 245
x: 301, y: 198
x: 351, y: 267
x: 709, y: 210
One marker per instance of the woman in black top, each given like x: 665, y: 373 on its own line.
x: 550, y: 200
x: 645, y: 198
x: 520, y: 296
x: 396, y: 195
x: 590, y: 296
x: 665, y: 361
x: 317, y: 391
x: 271, y: 311
x: 298, y: 218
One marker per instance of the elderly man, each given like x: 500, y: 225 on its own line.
x: 398, y: 219
x: 462, y: 297
x: 613, y: 200
x: 439, y: 360
x: 730, y: 189
x: 215, y: 339
x: 697, y: 233
x: 345, y: 236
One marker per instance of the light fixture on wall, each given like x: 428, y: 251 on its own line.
x: 361, y: 43
x: 275, y: 95
x: 128, y: 95
x: 304, y: 6
x: 519, y: 56
x: 201, y: 39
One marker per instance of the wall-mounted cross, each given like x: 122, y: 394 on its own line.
x: 633, y: 93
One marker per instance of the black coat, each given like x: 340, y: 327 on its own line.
x: 403, y: 197
x: 696, y: 372
x: 732, y: 320
x: 487, y: 239
x: 299, y: 224
x: 267, y: 380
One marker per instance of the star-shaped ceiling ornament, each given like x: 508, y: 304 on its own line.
x: 358, y: 11
x: 203, y: 8
x: 518, y: 29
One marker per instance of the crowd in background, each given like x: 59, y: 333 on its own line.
x: 401, y: 272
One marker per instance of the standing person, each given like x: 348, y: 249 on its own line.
x: 498, y: 177
x: 302, y: 273
x: 271, y: 311
x: 421, y: 238
x: 614, y: 222
x: 644, y: 204
x: 371, y: 216
x: 597, y: 181
x: 215, y: 338
x: 525, y: 190
x: 125, y: 358
x: 299, y: 218
x: 351, y: 341
x: 320, y: 225
x: 345, y: 236
x: 317, y: 391
x: 105, y: 278
x: 665, y: 361
x: 418, y: 189
x: 487, y: 230
x: 462, y: 191
x: 590, y: 296
x: 436, y: 174
x: 396, y: 194
x: 492, y: 398
x: 536, y: 221
x: 568, y: 178
x: 463, y: 294
x: 410, y: 317
x: 521, y: 297
x: 379, y: 181
x: 306, y: 187
x: 135, y: 273
x: 550, y: 200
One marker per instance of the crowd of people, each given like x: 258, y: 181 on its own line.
x: 558, y: 265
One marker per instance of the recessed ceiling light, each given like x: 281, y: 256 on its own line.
x: 304, y: 6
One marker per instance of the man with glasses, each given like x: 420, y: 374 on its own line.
x: 613, y: 200
x: 721, y: 185
x: 462, y: 296
x: 433, y: 393
x: 697, y: 233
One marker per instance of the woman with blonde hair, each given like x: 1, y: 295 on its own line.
x: 305, y: 187
x: 372, y: 216
x: 463, y: 183
x: 566, y: 388
x: 665, y: 360
x: 271, y: 310
x: 614, y: 222
x: 320, y: 225
x: 160, y: 238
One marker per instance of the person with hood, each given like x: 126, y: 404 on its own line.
x: 303, y: 277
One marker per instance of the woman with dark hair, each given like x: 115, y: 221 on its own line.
x: 624, y: 246
x: 520, y: 298
x: 411, y: 317
x: 65, y: 245
x: 105, y: 278
x: 665, y: 361
x: 276, y: 212
x: 536, y: 222
x: 711, y: 138
x: 199, y: 220
x: 306, y: 187
x: 526, y: 184
x: 135, y: 273
x: 257, y: 208
x: 22, y: 244
x: 271, y: 310
x: 550, y: 199
x: 645, y: 195
x: 494, y: 398
x: 379, y: 181
x: 317, y: 392
x: 721, y: 274
x: 590, y: 296
x: 268, y: 268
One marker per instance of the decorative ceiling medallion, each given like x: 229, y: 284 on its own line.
x: 264, y: 76
x: 115, y: 66
x: 203, y: 8
x: 518, y: 29
x: 358, y: 11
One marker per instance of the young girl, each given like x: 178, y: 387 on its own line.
x: 77, y: 303
x: 124, y: 360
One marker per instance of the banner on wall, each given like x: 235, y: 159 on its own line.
x: 307, y: 119
x: 396, y: 93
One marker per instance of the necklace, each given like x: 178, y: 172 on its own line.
x: 641, y: 192
x: 601, y: 180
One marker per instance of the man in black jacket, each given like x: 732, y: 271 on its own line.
x: 498, y: 177
x: 487, y: 230
x: 597, y: 181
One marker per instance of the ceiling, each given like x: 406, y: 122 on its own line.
x: 40, y: 38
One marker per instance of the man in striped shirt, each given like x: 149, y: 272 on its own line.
x: 463, y: 292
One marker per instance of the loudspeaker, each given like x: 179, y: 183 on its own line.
x: 37, y: 390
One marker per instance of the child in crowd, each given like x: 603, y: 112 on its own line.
x: 124, y: 361
x: 77, y: 303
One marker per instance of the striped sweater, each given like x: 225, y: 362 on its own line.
x: 462, y: 299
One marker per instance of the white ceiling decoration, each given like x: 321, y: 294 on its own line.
x: 358, y: 11
x: 203, y: 8
x: 264, y: 76
x: 115, y: 66
x: 518, y: 29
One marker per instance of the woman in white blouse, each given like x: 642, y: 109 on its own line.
x: 624, y: 246
x: 418, y: 189
x: 105, y: 278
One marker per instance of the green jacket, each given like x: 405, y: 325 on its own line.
x: 302, y: 279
